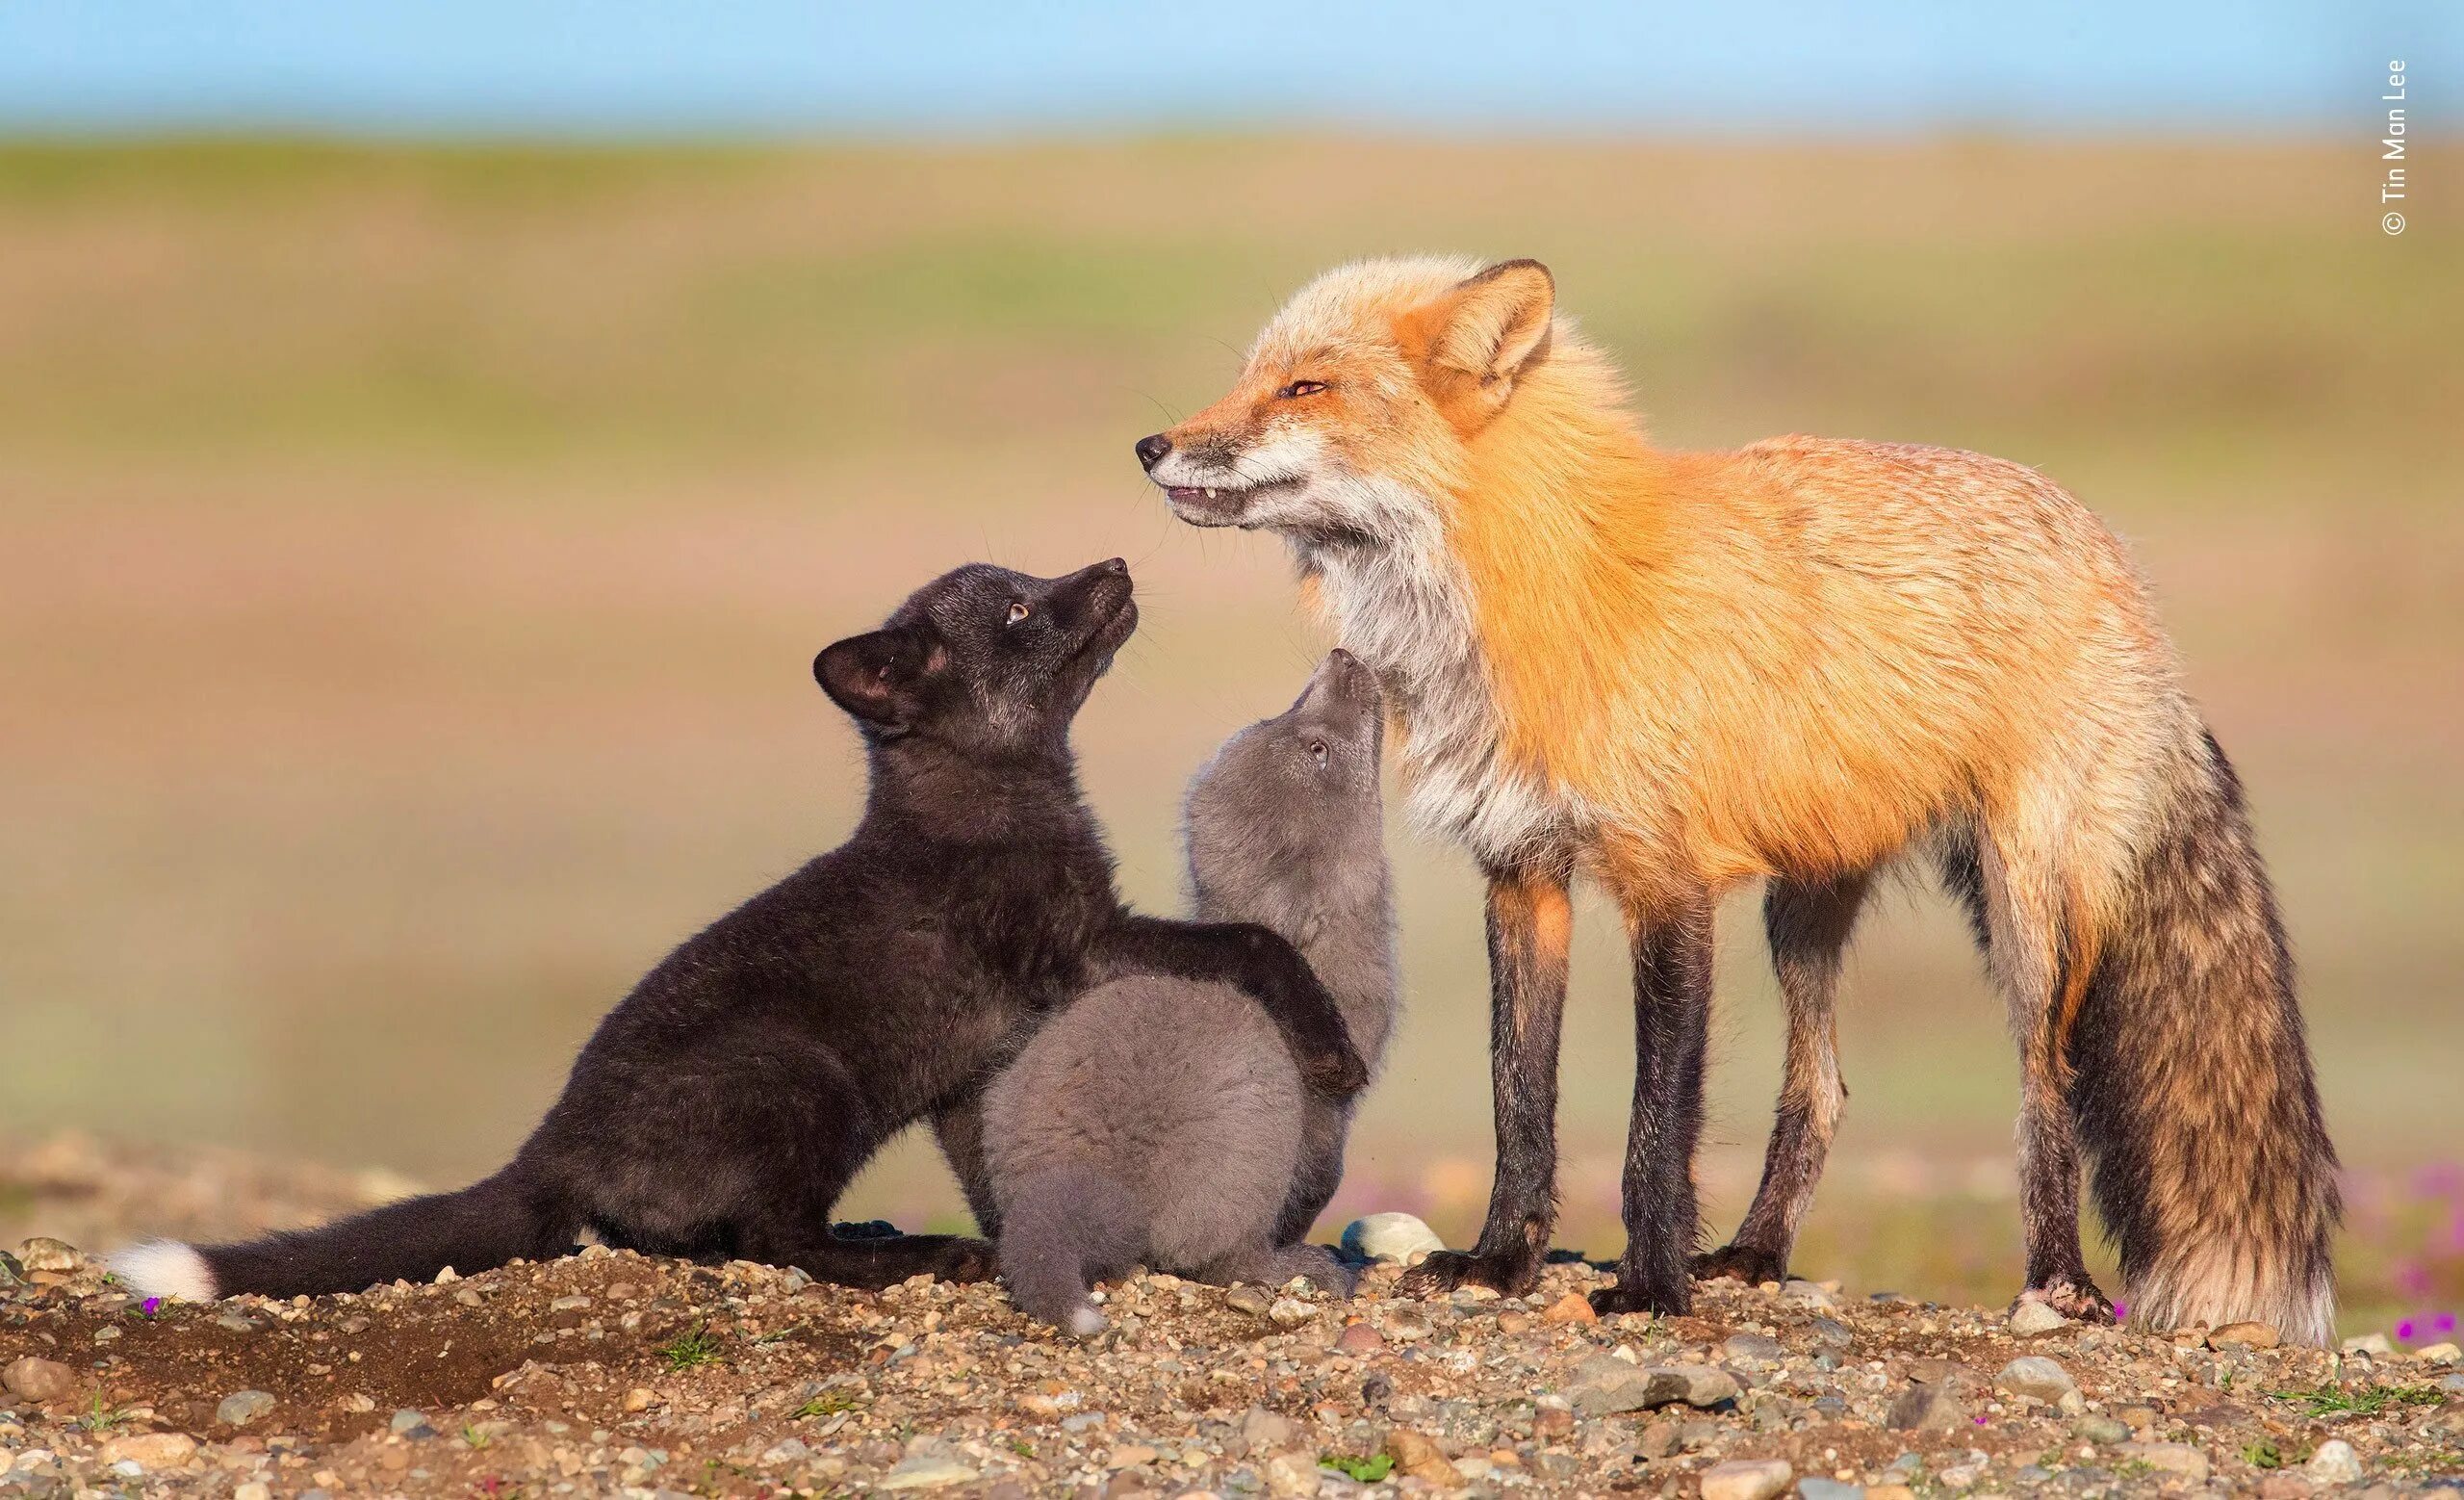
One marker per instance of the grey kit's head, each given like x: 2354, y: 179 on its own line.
x: 1296, y: 787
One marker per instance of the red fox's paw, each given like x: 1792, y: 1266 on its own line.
x: 2078, y: 1300
x: 1631, y: 1296
x: 1451, y: 1270
x: 1742, y: 1263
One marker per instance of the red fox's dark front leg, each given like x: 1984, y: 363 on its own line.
x: 1254, y: 959
x: 1530, y: 923
x: 1672, y: 945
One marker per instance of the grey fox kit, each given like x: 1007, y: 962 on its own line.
x: 1159, y: 1119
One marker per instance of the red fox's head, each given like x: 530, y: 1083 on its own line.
x: 1359, y: 399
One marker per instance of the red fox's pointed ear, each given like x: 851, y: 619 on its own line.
x: 1497, y: 325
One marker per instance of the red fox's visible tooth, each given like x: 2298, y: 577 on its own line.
x: 1210, y: 494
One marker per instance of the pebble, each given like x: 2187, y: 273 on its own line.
x: 1359, y: 1338
x: 2032, y: 1317
x: 1290, y: 1311
x: 928, y: 1465
x: 149, y: 1450
x: 38, y: 1380
x: 1924, y: 1407
x: 1265, y: 1431
x: 2169, y: 1457
x: 2244, y: 1336
x: 1742, y: 1479
x: 2334, y: 1464
x: 2102, y: 1430
x: 1758, y: 1347
x: 2438, y: 1354
x: 1815, y: 1487
x: 252, y: 1489
x: 417, y: 1431
x: 1415, y: 1455
x: 1397, y: 1237
x: 1571, y: 1307
x: 2039, y: 1379
x: 46, y: 1254
x: 2367, y: 1344
x: 243, y: 1407
x: 1294, y: 1474
x: 1604, y: 1385
x: 1247, y: 1298
x: 1407, y: 1326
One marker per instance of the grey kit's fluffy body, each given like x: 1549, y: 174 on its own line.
x: 1161, y: 1122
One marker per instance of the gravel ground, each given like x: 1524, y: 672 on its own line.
x: 609, y: 1373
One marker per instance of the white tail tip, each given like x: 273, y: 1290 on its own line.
x: 166, y: 1268
x: 1086, y: 1322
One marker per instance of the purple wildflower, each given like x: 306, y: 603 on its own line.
x: 2121, y: 1309
x: 2445, y: 1323
x: 2441, y: 1179
x: 2405, y: 1329
x: 152, y: 1305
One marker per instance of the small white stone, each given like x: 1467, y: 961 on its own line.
x: 2334, y: 1464
x: 1398, y: 1237
x: 1747, y: 1480
x: 1290, y: 1311
x: 2032, y: 1317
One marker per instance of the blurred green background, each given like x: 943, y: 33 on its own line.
x: 411, y: 556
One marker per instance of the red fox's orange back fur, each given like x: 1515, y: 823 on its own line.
x: 1679, y: 671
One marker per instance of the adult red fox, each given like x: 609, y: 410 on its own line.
x: 1794, y: 662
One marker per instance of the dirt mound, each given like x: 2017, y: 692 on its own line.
x: 606, y: 1371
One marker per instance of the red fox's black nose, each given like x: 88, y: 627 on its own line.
x: 1151, y: 450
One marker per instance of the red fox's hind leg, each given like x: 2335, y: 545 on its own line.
x: 1807, y: 923
x: 2040, y: 966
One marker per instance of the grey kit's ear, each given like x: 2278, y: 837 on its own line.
x: 876, y: 677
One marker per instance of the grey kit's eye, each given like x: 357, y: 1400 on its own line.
x: 1019, y: 611
x: 1317, y: 750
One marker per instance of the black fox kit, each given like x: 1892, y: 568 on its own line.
x: 1157, y: 1120
x: 721, y: 1108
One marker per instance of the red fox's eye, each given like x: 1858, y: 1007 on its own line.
x: 1019, y: 611
x: 1300, y: 388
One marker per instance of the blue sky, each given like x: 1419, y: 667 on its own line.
x: 767, y: 67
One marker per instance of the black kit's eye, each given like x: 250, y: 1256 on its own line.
x: 1300, y: 388
x: 1317, y: 750
x: 1019, y: 611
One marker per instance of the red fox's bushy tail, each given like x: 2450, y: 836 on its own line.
x: 1064, y: 1229
x: 2192, y: 1081
x: 482, y: 1226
